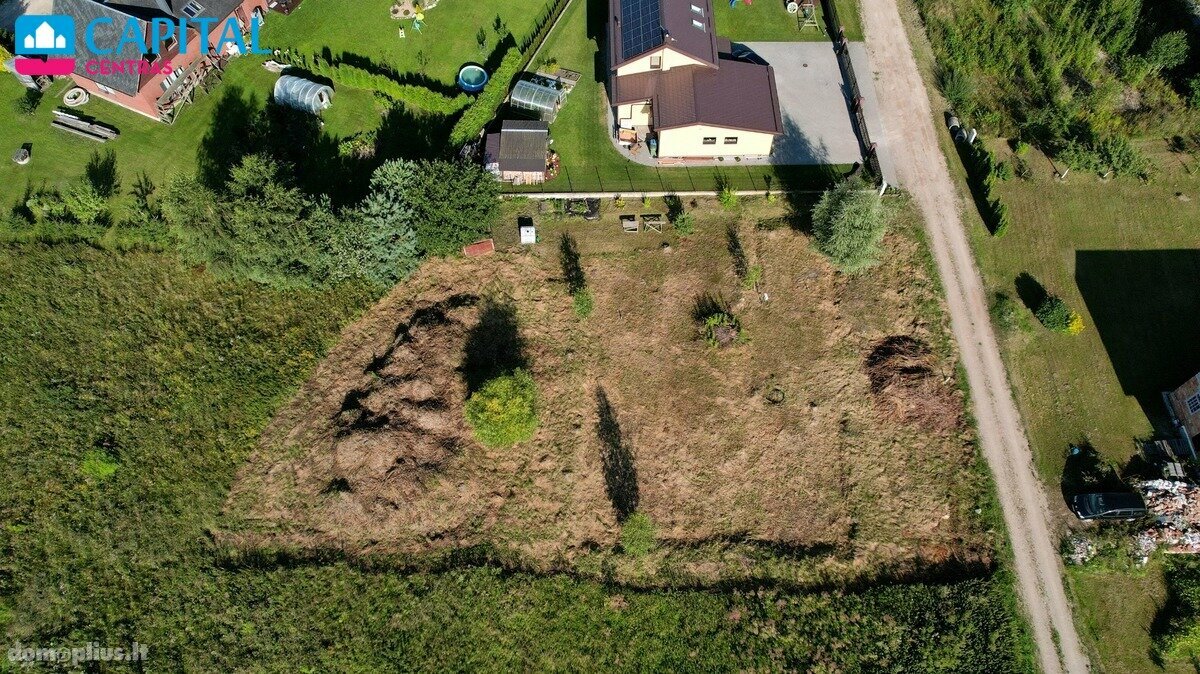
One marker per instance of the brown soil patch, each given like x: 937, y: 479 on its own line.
x: 773, y: 441
x: 907, y: 390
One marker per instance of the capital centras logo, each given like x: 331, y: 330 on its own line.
x: 47, y: 44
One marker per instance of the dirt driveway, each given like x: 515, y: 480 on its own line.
x: 908, y: 122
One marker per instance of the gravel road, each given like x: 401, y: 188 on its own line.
x: 909, y: 124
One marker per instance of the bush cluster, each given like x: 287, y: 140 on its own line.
x: 484, y: 108
x: 360, y: 78
x: 983, y: 170
x: 504, y: 411
x: 1058, y: 317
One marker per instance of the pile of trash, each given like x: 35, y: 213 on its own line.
x: 1079, y: 550
x: 1176, y: 508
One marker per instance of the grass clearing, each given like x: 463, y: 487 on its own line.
x: 145, y: 145
x: 765, y: 459
x: 770, y: 22
x: 363, y: 33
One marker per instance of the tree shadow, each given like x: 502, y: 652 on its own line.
x: 733, y: 243
x: 568, y: 255
x: 229, y: 137
x: 101, y: 172
x: 1085, y: 471
x: 1031, y: 292
x: 494, y: 346
x: 1145, y: 306
x: 616, y: 458
x: 406, y: 135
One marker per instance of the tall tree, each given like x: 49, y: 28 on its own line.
x: 447, y: 204
x: 849, y: 223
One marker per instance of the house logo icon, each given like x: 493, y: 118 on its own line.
x: 45, y: 35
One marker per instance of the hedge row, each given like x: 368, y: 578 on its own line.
x: 981, y: 168
x: 484, y: 108
x: 360, y: 78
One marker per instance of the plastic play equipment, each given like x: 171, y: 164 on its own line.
x: 472, y: 78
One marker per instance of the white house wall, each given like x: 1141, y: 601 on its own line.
x: 670, y: 59
x: 688, y: 141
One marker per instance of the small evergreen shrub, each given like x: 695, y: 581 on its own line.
x: 583, y: 303
x: 1056, y: 316
x: 98, y: 465
x: 504, y: 411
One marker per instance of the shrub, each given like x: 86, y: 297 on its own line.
x: 29, y: 102
x: 637, y: 535
x: 485, y: 106
x: 1194, y: 92
x: 504, y: 411
x: 753, y: 276
x: 1058, y: 317
x: 360, y: 78
x: 583, y: 303
x: 1005, y: 312
x: 1169, y: 50
x: 1022, y: 148
x: 685, y: 224
x: 728, y: 197
x: 849, y: 223
x: 447, y: 203
x: 1003, y: 171
x: 645, y: 202
x: 98, y: 465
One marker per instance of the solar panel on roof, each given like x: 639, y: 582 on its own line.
x: 641, y: 26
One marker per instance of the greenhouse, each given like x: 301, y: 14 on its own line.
x: 532, y: 99
x: 302, y: 94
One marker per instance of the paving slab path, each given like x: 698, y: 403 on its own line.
x: 909, y: 124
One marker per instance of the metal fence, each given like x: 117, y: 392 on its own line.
x: 842, y: 47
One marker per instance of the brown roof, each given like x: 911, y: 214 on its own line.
x: 737, y: 95
x: 637, y: 27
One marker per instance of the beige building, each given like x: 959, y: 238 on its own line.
x: 675, y: 85
x: 1185, y: 406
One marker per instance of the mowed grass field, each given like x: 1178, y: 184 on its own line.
x: 769, y: 21
x: 1126, y: 255
x: 145, y: 145
x: 364, y: 30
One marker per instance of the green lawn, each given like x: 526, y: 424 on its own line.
x: 1125, y: 255
x: 364, y: 29
x: 769, y: 21
x: 580, y: 133
x: 146, y: 145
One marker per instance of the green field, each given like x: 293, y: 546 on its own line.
x: 131, y: 390
x: 1125, y: 255
x: 769, y: 21
x: 364, y: 32
x: 145, y: 145
x: 581, y: 137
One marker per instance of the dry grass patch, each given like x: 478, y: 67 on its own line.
x: 753, y: 459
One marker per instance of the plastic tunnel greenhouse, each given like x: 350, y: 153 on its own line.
x: 535, y: 100
x: 302, y: 94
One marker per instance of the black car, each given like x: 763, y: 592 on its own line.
x: 1108, y: 506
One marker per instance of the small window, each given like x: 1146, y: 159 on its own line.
x: 710, y: 140
x: 731, y: 140
x: 193, y: 9
x: 696, y: 9
x: 697, y: 24
x: 170, y: 45
x: 1193, y: 404
x: 656, y: 62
